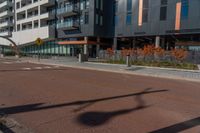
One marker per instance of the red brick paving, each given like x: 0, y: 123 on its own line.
x: 66, y: 100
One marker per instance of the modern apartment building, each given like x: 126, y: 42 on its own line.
x: 6, y: 17
x: 62, y: 23
x: 165, y: 23
x: 65, y: 25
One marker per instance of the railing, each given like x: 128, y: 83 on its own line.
x: 69, y: 24
x: 68, y: 9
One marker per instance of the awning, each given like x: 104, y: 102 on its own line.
x: 81, y: 42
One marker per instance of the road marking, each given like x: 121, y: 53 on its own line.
x: 7, y: 62
x: 37, y: 67
x: 26, y: 68
x: 47, y: 67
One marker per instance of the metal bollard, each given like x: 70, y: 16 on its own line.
x: 1, y: 55
x: 128, y: 63
x: 80, y: 60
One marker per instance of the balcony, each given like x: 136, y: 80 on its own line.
x: 6, y: 13
x: 5, y: 33
x: 5, y: 4
x: 36, y: 4
x: 70, y: 25
x: 68, y: 11
x: 6, y: 24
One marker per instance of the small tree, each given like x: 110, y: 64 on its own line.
x: 159, y: 52
x: 139, y: 52
x: 179, y: 54
x: 148, y: 51
x: 110, y: 52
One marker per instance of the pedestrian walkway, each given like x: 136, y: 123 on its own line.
x: 190, y: 75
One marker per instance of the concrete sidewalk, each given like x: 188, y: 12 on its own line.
x: 189, y: 75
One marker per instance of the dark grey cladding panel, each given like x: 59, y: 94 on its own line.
x: 154, y: 25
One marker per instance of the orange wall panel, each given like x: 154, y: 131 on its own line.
x: 140, y: 12
x: 178, y: 16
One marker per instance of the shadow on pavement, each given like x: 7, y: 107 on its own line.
x: 180, y: 126
x: 38, y: 106
x: 5, y: 129
x: 99, y: 118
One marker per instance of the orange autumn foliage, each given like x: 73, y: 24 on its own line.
x: 110, y: 52
x: 130, y: 52
x: 159, y: 51
x: 148, y: 50
x: 179, y: 54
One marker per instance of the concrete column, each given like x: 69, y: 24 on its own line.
x: 97, y: 47
x: 115, y: 44
x: 26, y: 14
x: 85, y: 48
x: 157, y: 42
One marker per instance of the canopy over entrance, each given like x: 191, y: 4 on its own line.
x: 80, y: 42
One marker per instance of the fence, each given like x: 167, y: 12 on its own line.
x: 192, y: 56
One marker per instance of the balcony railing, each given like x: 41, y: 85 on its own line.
x: 70, y: 25
x: 69, y: 10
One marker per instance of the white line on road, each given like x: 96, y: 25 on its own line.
x: 26, y: 68
x: 7, y: 62
x: 37, y: 67
x: 47, y: 67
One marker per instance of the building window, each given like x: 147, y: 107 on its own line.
x: 18, y: 5
x: 184, y: 9
x: 101, y: 20
x: 97, y: 4
x: 81, y: 4
x: 97, y: 19
x: 129, y: 5
x: 86, y: 17
x: 116, y: 20
x: 116, y: 7
x: 36, y: 24
x: 101, y: 5
x: 128, y: 18
x: 145, y: 11
x: 18, y: 27
x: 87, y: 3
x: 129, y: 12
x: 163, y: 10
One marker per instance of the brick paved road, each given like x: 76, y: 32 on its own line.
x: 52, y: 99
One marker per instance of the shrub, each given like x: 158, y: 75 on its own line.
x: 179, y: 54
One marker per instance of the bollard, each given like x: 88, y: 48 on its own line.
x: 1, y: 55
x: 128, y: 63
x: 16, y: 56
x: 80, y: 58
